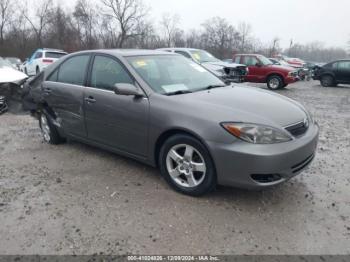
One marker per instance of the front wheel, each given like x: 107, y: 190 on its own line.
x: 187, y: 165
x: 275, y: 82
x: 49, y: 131
x: 327, y: 81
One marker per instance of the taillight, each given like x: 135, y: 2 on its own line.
x: 47, y: 61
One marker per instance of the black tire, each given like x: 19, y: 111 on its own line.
x: 327, y: 81
x: 53, y: 137
x: 209, y: 181
x: 275, y: 82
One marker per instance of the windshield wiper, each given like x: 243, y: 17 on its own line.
x: 179, y: 92
x: 212, y: 87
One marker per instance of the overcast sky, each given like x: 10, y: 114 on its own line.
x: 303, y: 21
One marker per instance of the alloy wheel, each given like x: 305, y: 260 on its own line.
x: 45, y: 128
x: 186, y: 166
x: 274, y: 83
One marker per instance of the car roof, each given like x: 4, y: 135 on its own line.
x: 50, y: 50
x: 126, y: 52
x: 181, y: 49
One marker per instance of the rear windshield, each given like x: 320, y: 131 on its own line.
x: 14, y: 60
x: 54, y: 54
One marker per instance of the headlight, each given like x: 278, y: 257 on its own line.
x: 257, y: 134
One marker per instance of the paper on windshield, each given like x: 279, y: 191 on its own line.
x: 174, y: 88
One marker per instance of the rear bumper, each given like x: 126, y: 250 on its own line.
x: 241, y: 164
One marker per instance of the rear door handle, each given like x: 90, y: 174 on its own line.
x: 47, y: 90
x: 90, y: 100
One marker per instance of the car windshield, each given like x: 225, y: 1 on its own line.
x: 167, y: 74
x: 264, y: 60
x: 54, y: 54
x: 203, y: 56
x: 4, y: 63
x: 13, y: 60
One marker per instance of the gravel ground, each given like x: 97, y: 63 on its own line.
x: 75, y: 199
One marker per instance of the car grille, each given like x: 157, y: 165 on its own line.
x: 298, y: 129
x: 235, y: 72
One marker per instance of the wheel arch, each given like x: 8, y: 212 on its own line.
x: 275, y: 74
x: 176, y: 131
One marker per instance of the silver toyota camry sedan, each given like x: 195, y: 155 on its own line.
x: 167, y: 111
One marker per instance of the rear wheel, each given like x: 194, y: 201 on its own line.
x: 275, y: 82
x: 327, y: 81
x: 187, y: 166
x: 49, y: 131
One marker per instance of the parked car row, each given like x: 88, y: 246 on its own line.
x: 334, y: 73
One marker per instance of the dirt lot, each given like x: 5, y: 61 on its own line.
x: 75, y: 199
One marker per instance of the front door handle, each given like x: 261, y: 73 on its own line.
x: 90, y: 100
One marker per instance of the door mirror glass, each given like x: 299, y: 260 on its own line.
x: 127, y: 90
x: 258, y: 64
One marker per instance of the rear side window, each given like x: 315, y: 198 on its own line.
x: 106, y: 72
x: 54, y: 54
x: 38, y: 55
x: 73, y: 70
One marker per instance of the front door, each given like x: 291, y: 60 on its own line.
x: 343, y: 71
x: 115, y: 120
x: 255, y: 72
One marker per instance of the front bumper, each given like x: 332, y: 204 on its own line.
x: 238, y: 164
x: 290, y: 79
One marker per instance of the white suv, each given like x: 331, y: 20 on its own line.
x: 41, y: 59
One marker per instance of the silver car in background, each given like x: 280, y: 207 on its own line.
x: 169, y: 112
x: 228, y: 72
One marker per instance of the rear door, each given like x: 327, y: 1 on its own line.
x: 63, y: 91
x: 115, y: 120
x: 343, y: 71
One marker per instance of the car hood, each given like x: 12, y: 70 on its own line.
x: 241, y: 104
x: 220, y: 64
x: 282, y: 67
x: 10, y: 75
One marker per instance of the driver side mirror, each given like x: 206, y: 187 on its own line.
x: 127, y: 90
x: 258, y: 64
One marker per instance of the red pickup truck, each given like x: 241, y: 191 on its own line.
x: 262, y: 70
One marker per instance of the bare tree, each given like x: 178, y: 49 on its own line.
x: 274, y: 47
x: 40, y: 20
x: 6, y: 9
x: 128, y: 14
x: 244, y: 31
x: 169, y: 26
x: 86, y: 20
x: 219, y: 37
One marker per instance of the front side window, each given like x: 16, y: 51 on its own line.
x: 344, y: 65
x: 170, y: 73
x: 202, y: 56
x: 237, y: 59
x: 106, y: 72
x: 73, y: 70
x: 183, y: 53
x: 250, y: 60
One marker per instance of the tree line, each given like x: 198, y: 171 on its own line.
x: 26, y: 25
